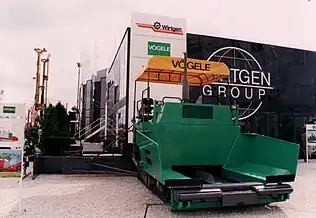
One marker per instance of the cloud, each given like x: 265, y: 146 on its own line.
x: 36, y: 18
x: 68, y: 27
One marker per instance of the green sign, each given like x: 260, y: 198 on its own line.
x: 8, y: 110
x: 159, y: 48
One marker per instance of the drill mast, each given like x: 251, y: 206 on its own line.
x: 38, y: 75
x: 40, y: 98
x: 45, y: 81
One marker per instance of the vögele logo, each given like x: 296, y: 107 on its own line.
x: 191, y: 65
x: 248, y: 83
x: 8, y: 110
x: 158, y: 48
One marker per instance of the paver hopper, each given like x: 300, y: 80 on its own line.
x: 195, y: 156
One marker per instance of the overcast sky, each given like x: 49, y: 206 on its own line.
x: 68, y: 27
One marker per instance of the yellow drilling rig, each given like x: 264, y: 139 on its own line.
x: 40, y: 98
x: 45, y: 80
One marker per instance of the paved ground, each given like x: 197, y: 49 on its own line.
x: 10, y: 174
x: 103, y: 196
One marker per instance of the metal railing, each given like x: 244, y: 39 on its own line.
x: 87, y: 127
x: 96, y: 131
x: 95, y: 127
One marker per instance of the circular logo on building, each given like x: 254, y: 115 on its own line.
x: 247, y: 84
x: 157, y: 25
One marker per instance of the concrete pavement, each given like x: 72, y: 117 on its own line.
x: 105, y: 196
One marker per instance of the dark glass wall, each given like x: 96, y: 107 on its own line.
x: 111, y: 119
x: 117, y: 84
x: 285, y: 84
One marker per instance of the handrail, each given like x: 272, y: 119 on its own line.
x: 94, y: 129
x: 98, y: 130
x: 81, y: 130
x: 100, y: 125
x: 89, y: 125
x: 95, y: 132
x: 96, y: 126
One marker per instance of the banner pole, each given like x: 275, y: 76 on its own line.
x: 306, y: 149
x: 22, y: 144
x: 306, y: 153
x: 306, y: 144
x: 20, y: 193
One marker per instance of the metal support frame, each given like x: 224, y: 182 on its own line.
x: 82, y: 164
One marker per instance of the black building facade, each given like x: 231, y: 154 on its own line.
x: 276, y: 84
x: 274, y: 87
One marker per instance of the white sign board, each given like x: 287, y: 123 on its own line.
x: 12, y: 122
x: 153, y: 35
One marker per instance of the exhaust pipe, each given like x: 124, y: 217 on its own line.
x: 185, y: 83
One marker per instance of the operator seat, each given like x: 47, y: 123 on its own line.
x: 145, y: 112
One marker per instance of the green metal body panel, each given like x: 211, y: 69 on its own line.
x: 255, y: 157
x: 182, y: 134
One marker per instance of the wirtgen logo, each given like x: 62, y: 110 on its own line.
x: 162, y: 28
x: 248, y: 82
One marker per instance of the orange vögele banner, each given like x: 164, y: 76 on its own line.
x: 170, y: 70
